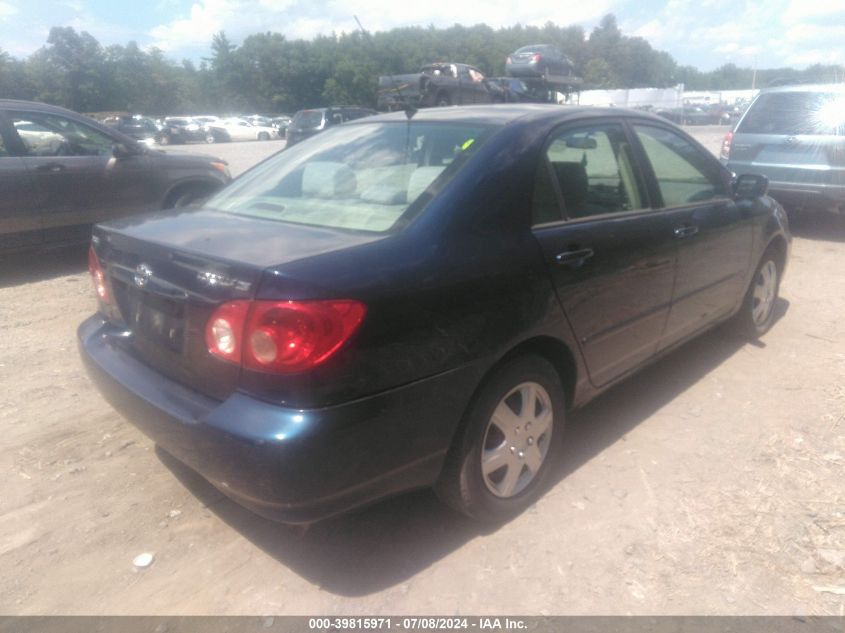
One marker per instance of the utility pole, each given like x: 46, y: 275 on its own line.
x: 754, y: 75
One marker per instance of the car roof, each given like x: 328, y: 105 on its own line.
x: 807, y: 88
x: 36, y: 106
x: 504, y: 114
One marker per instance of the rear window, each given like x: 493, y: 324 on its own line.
x: 792, y: 113
x: 362, y: 177
x: 308, y: 118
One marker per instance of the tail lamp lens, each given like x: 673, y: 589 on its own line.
x: 224, y: 331
x: 536, y: 58
x: 282, y: 337
x: 725, y: 154
x: 97, y: 276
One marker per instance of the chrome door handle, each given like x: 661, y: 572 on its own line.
x: 51, y: 167
x: 575, y: 257
x: 686, y: 231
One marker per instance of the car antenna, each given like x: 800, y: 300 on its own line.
x: 410, y: 110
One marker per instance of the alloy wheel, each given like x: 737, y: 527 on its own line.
x: 517, y: 439
x: 765, y: 290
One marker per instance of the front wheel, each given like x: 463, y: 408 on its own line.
x: 503, y: 456
x: 757, y: 314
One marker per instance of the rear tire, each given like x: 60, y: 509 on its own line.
x: 263, y: 136
x: 443, y: 101
x: 164, y: 139
x: 184, y: 197
x: 757, y: 314
x: 503, y: 455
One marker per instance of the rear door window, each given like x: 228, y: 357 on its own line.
x: 591, y: 170
x: 794, y: 113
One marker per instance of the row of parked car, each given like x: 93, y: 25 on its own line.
x: 200, y: 129
x: 704, y: 113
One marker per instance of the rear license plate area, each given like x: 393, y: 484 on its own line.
x: 159, y: 320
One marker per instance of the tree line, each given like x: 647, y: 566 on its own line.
x: 270, y: 73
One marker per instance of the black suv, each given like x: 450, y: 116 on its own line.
x: 309, y: 122
x: 184, y: 130
x: 138, y: 127
x: 60, y: 172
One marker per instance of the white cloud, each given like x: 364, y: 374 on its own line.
x: 7, y: 10
x: 305, y: 19
x: 802, y: 9
x: 768, y: 33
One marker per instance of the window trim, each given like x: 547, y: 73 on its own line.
x: 640, y: 177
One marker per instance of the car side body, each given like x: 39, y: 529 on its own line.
x: 237, y: 129
x: 538, y: 60
x: 306, y: 123
x: 523, y: 245
x: 62, y: 172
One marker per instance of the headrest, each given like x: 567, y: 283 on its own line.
x: 323, y: 179
x: 421, y: 178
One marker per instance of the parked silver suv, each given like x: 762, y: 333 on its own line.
x: 796, y: 137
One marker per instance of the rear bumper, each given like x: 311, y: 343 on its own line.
x: 290, y: 465
x: 804, y: 194
x: 812, y: 197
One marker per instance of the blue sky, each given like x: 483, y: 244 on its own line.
x: 704, y: 33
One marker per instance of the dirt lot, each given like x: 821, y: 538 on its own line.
x: 711, y: 483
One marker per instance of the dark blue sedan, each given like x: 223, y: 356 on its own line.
x: 401, y: 303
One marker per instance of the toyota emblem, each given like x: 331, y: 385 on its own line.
x: 142, y: 275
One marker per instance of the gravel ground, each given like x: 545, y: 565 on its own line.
x: 710, y: 483
x: 240, y: 156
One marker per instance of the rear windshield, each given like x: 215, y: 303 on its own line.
x: 308, y: 118
x: 813, y: 113
x: 361, y: 177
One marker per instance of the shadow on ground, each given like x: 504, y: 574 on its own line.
x: 24, y: 268
x: 817, y: 226
x: 388, y: 543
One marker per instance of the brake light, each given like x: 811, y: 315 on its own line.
x: 97, y: 276
x: 536, y: 57
x: 282, y: 336
x: 509, y: 60
x: 725, y: 154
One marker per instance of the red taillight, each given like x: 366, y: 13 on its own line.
x: 725, y: 154
x: 283, y: 336
x: 509, y: 60
x: 536, y: 57
x: 97, y: 276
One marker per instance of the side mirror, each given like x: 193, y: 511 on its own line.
x: 749, y: 186
x: 586, y: 142
x: 121, y: 150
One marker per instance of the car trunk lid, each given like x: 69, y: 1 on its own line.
x: 167, y: 274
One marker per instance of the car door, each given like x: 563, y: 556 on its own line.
x: 611, y: 257
x: 20, y: 216
x: 713, y: 235
x: 74, y: 168
x: 244, y: 131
